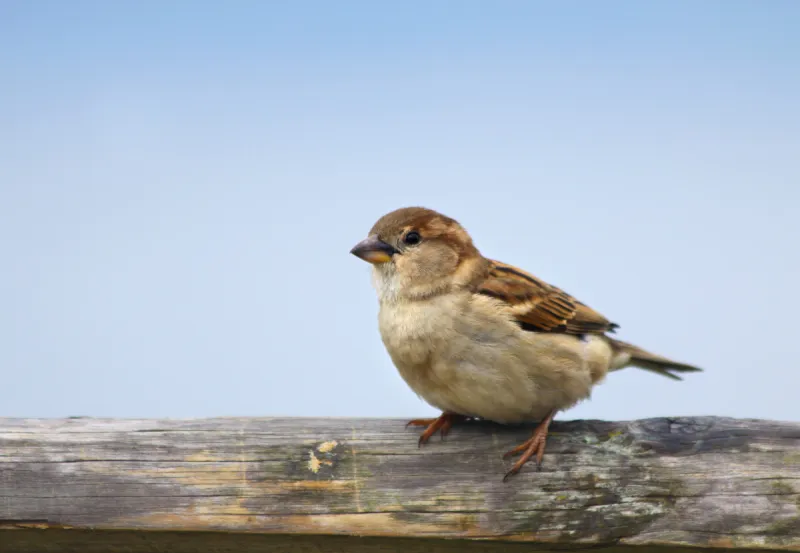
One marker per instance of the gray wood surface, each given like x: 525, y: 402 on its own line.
x: 231, y: 484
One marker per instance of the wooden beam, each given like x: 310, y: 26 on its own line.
x: 231, y: 484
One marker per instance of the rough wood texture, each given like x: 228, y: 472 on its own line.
x: 279, y: 484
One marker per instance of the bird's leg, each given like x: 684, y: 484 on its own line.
x: 534, y: 446
x: 443, y: 424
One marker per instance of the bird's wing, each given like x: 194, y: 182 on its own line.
x: 538, y: 306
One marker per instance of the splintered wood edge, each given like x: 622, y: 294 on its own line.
x: 171, y: 485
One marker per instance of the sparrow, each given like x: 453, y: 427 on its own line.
x: 480, y: 339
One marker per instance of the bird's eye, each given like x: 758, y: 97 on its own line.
x: 412, y: 238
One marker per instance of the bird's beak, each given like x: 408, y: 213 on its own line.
x: 373, y: 250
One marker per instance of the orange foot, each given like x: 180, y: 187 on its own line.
x: 534, y: 446
x: 443, y: 424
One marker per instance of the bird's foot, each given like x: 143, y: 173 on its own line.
x: 533, y: 447
x: 443, y: 424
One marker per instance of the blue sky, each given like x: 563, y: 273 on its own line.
x: 180, y: 184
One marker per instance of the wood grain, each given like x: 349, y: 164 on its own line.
x: 284, y: 484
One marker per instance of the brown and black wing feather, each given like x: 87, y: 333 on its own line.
x: 539, y: 306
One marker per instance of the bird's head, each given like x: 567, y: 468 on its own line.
x: 417, y: 252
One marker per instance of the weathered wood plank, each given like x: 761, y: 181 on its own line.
x: 686, y: 482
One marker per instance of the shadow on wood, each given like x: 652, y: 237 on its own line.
x: 316, y: 484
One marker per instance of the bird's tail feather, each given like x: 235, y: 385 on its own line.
x: 628, y: 355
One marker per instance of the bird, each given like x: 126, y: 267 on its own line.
x: 476, y: 338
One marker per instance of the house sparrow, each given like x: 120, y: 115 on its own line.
x: 477, y: 338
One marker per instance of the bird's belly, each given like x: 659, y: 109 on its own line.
x: 492, y: 371
x: 506, y: 389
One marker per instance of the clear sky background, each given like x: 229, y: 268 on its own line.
x: 181, y: 182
